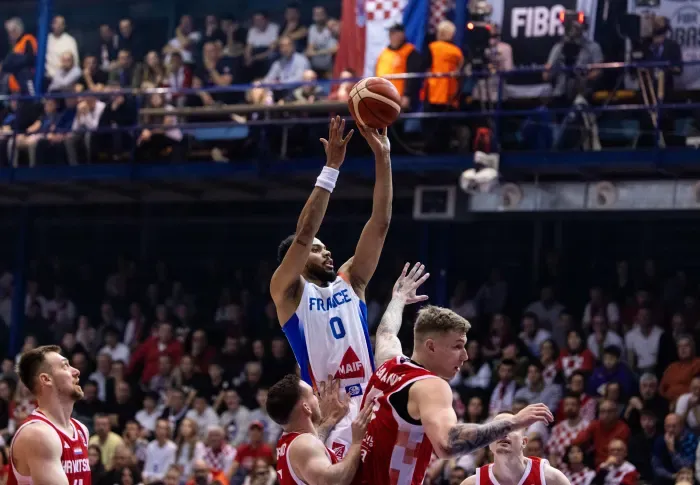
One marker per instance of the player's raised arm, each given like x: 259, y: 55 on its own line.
x: 388, y: 344
x: 37, y: 453
x: 311, y: 461
x: 433, y: 398
x: 362, y: 265
x: 287, y: 276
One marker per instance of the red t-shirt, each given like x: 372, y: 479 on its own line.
x: 247, y: 454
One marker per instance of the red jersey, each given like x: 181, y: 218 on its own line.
x: 74, y: 458
x: 534, y: 473
x: 285, y: 473
x: 394, y: 451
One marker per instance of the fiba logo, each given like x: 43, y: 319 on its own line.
x: 536, y: 22
x: 685, y: 26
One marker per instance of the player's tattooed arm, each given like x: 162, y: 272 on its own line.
x: 433, y: 399
x: 388, y: 344
x: 466, y: 438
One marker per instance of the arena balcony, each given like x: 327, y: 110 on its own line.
x: 172, y: 151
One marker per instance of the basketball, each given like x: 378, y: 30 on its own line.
x: 374, y: 102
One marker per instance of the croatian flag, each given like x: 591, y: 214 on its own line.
x: 364, y: 29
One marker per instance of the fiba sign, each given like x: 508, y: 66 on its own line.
x: 536, y: 22
x: 685, y: 27
x: 532, y: 28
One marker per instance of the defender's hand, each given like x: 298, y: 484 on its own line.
x: 407, y: 284
x: 359, y: 425
x: 532, y: 414
x: 333, y: 406
x: 336, y: 145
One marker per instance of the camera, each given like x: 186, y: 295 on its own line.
x: 479, y: 32
x: 640, y: 28
x: 574, y: 28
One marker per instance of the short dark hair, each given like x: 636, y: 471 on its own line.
x: 508, y: 362
x: 284, y: 247
x: 536, y: 364
x: 573, y: 395
x: 613, y: 350
x: 282, y: 398
x: 31, y: 364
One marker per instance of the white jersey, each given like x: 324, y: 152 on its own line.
x: 329, y: 336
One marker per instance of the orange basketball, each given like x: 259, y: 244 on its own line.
x: 374, y: 102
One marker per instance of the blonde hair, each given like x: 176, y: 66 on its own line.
x: 435, y: 319
x: 446, y: 30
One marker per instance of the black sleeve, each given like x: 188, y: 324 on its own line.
x: 675, y: 56
x: 414, y: 64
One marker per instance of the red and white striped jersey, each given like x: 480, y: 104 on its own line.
x: 394, y: 451
x: 74, y: 458
x: 285, y: 472
x: 534, y: 473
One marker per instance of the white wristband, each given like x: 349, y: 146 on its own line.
x: 327, y: 179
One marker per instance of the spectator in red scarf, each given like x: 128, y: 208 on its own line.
x: 575, y: 357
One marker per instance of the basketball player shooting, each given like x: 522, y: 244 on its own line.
x: 302, y: 458
x: 323, y: 313
x: 50, y: 448
x: 511, y: 466
x: 413, y: 413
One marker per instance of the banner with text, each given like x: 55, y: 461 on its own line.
x: 532, y: 28
x: 685, y: 29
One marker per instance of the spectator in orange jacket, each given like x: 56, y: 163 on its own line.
x: 677, y: 376
x: 148, y: 353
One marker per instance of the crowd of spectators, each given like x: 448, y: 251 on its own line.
x: 175, y: 382
x: 219, y: 51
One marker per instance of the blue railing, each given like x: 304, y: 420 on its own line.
x: 499, y: 113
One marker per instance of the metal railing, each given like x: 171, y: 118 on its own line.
x: 288, y: 115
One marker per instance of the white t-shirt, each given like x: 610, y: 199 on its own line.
x: 55, y: 47
x: 186, y: 53
x: 645, y: 348
x: 263, y: 38
x: 611, y: 338
x: 682, y: 408
x: 119, y: 352
x: 148, y: 421
x: 204, y: 421
x: 158, y: 460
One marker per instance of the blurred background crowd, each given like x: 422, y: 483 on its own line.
x: 176, y: 379
x: 178, y: 342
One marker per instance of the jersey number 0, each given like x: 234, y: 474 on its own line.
x: 337, y: 328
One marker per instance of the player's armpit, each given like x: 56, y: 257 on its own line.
x: 37, y: 450
x: 470, y: 481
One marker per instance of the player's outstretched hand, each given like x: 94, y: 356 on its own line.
x: 359, y: 425
x: 532, y: 414
x: 333, y: 406
x: 407, y: 284
x: 378, y: 140
x: 336, y: 145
